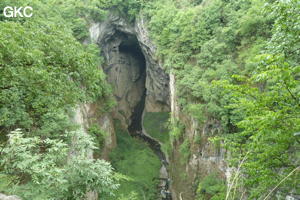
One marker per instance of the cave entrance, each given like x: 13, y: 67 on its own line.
x: 128, y: 65
x: 135, y: 128
x: 131, y: 48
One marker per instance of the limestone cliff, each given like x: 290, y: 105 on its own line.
x: 88, y: 114
x: 131, y: 66
x: 84, y: 116
x: 205, y: 158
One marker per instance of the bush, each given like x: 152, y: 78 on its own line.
x: 184, y: 150
x: 211, y: 187
x: 50, y: 169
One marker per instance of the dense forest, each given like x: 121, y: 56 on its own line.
x: 236, y: 71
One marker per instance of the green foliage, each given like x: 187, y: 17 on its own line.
x: 73, y: 14
x: 128, y: 9
x: 236, y: 63
x: 211, y: 187
x: 269, y: 120
x: 155, y: 125
x: 200, y: 44
x: 176, y: 128
x: 205, y: 46
x: 267, y: 106
x: 78, y: 14
x: 6, y: 183
x: 134, y: 159
x: 131, y: 196
x: 44, y: 72
x: 197, y: 139
x: 184, y: 150
x: 99, y: 137
x: 286, y: 28
x: 41, y: 166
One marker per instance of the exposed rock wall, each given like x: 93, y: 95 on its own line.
x: 87, y: 114
x: 84, y: 115
x: 205, y: 157
x: 125, y: 67
x: 126, y: 74
x: 157, y: 80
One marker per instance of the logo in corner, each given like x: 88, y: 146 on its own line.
x: 12, y: 12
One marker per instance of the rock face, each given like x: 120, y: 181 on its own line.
x: 84, y: 116
x: 5, y: 197
x: 87, y: 114
x: 205, y: 158
x: 131, y: 66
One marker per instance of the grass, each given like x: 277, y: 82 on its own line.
x: 136, y: 160
x: 155, y: 125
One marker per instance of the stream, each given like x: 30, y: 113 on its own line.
x: 136, y: 130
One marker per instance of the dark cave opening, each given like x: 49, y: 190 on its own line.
x: 131, y: 46
x: 136, y: 128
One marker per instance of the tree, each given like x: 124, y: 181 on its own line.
x: 41, y: 165
x: 44, y: 72
x: 268, y: 108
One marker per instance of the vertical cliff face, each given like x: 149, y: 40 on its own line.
x: 204, y: 158
x: 87, y: 114
x: 131, y: 67
x: 84, y: 116
x: 125, y: 71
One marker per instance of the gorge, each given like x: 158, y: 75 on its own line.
x: 139, y: 83
x: 150, y: 100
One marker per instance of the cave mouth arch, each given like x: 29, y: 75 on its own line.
x: 129, y: 46
x: 139, y: 82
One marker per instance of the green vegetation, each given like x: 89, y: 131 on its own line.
x: 137, y: 161
x: 128, y: 9
x: 211, y: 187
x: 45, y: 72
x: 184, y: 150
x: 155, y: 124
x: 236, y: 63
x: 176, y: 128
x: 43, y: 162
x: 99, y: 137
